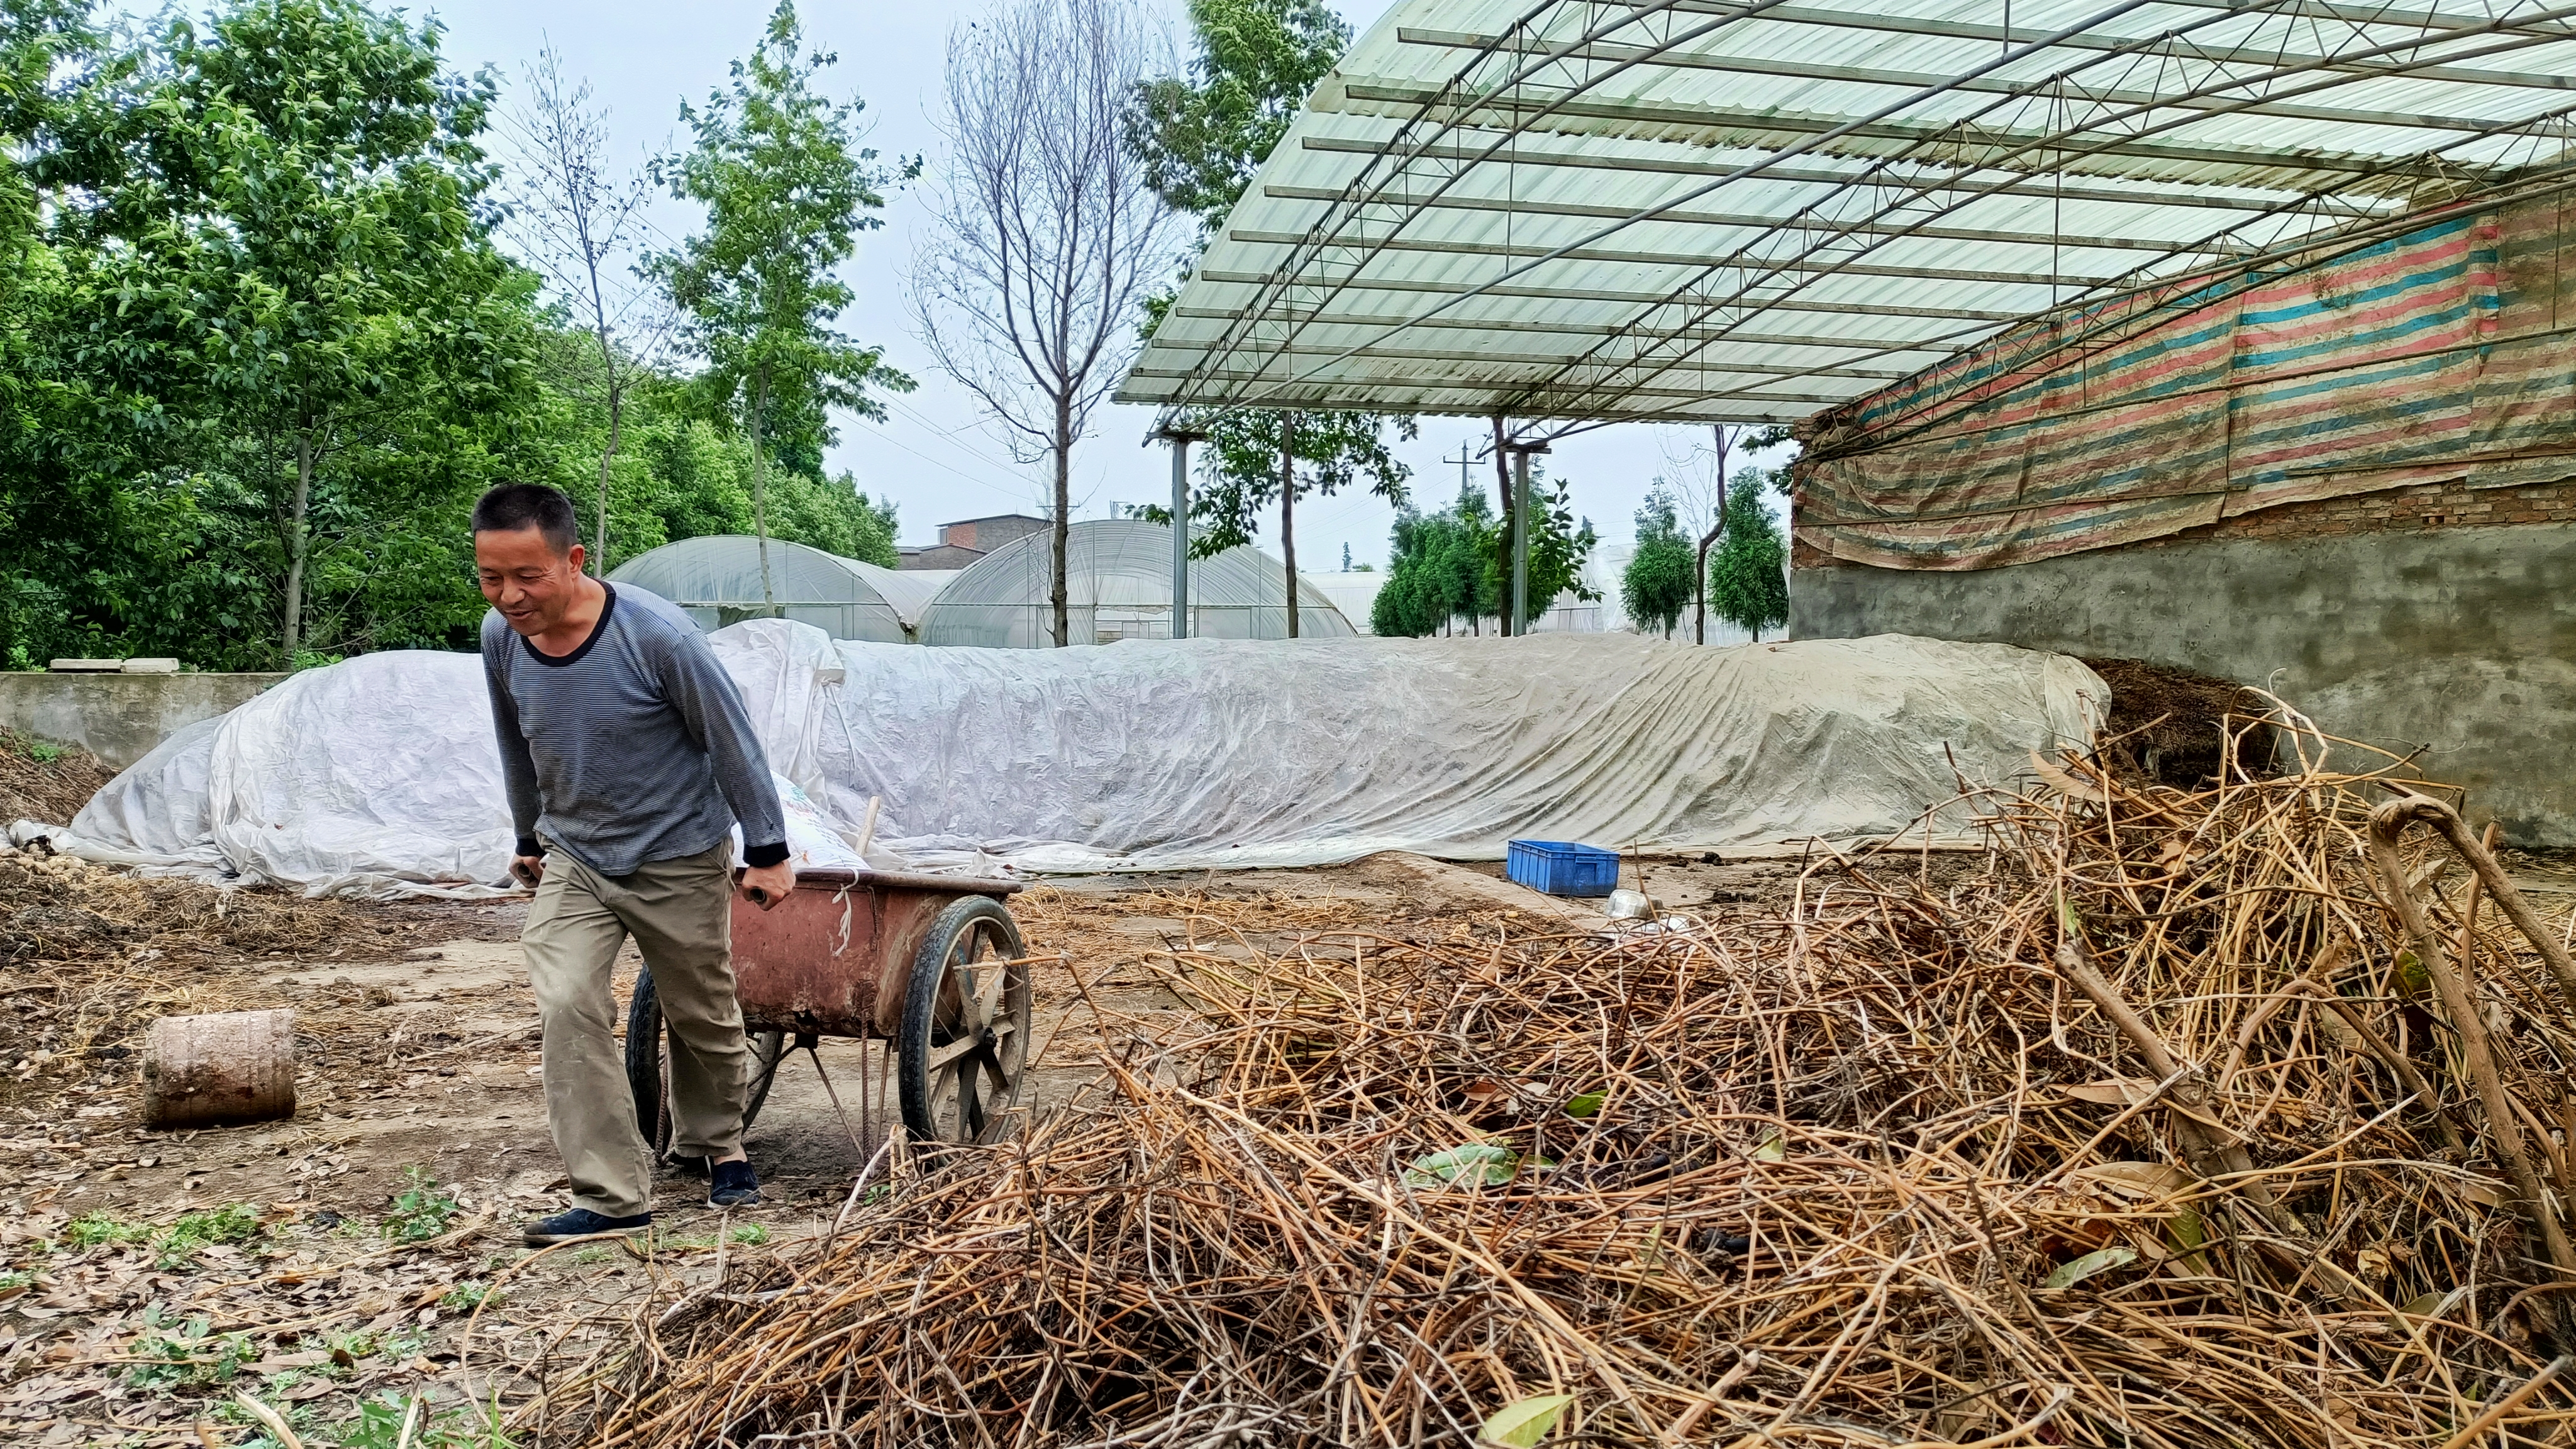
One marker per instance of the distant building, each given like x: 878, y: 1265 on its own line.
x: 968, y: 539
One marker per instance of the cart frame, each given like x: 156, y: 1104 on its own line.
x: 932, y: 965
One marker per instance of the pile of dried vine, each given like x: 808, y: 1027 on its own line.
x: 2171, y: 1122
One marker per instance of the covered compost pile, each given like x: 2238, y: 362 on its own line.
x: 2155, y: 1125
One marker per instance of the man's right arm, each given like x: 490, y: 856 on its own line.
x: 518, y: 766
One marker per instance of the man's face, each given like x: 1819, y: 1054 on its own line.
x: 523, y: 576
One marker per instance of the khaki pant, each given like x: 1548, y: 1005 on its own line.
x: 681, y: 914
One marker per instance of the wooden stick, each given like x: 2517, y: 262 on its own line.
x: 2458, y: 1000
x: 2508, y: 896
x: 2497, y: 1411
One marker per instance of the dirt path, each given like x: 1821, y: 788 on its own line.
x: 328, y: 1264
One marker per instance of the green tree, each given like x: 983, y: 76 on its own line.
x: 1253, y: 459
x: 1656, y: 586
x: 1746, y: 584
x: 1559, y: 545
x: 1202, y: 137
x: 787, y: 191
x: 1441, y: 570
x: 289, y: 286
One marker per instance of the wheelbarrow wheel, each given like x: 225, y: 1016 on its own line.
x: 648, y: 1066
x: 965, y: 1041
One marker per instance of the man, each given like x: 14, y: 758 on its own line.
x: 628, y: 758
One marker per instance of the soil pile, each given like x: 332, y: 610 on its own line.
x: 2163, y: 1130
x: 43, y: 781
x: 2171, y: 726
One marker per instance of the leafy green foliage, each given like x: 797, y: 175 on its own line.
x: 1440, y: 572
x: 233, y: 1223
x: 380, y: 1420
x: 1746, y: 582
x: 263, y: 269
x: 787, y: 191
x: 91, y: 1229
x: 187, y: 1355
x: 1455, y: 565
x: 1558, y: 546
x: 421, y: 1210
x: 1202, y: 137
x: 1254, y: 458
x: 1656, y: 586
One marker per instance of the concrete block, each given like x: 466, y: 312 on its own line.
x: 150, y: 666
x: 86, y: 666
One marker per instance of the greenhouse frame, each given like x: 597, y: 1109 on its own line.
x: 715, y: 579
x: 1119, y: 586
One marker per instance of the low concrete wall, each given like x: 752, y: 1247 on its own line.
x: 119, y: 717
x: 2460, y: 639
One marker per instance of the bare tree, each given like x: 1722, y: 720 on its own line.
x: 1701, y: 497
x: 1048, y: 236
x: 574, y: 219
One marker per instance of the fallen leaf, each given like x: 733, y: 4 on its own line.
x: 1521, y: 1423
x: 1477, y: 1164
x: 1585, y: 1104
x: 2070, y: 1274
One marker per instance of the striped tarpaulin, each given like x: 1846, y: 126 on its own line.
x: 2437, y: 354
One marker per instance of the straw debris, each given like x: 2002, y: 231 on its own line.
x: 2157, y: 1128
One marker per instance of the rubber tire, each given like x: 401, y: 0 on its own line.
x: 644, y: 1067
x: 920, y: 1004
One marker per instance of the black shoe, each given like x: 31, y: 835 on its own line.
x: 733, y: 1184
x: 574, y: 1224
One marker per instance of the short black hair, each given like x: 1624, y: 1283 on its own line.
x: 509, y: 507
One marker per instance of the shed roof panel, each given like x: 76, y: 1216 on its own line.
x: 1678, y: 210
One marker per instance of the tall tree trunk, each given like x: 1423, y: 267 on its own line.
x: 1288, y: 510
x: 1699, y: 580
x: 616, y: 420
x: 760, y: 485
x: 297, y: 542
x: 1058, y: 596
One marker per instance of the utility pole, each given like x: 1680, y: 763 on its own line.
x: 1180, y: 440
x: 1466, y: 455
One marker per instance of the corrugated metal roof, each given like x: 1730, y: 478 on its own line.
x: 1750, y: 210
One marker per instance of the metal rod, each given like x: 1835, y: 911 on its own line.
x: 1520, y: 541
x: 1180, y: 534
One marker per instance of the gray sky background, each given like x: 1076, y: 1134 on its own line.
x: 935, y: 457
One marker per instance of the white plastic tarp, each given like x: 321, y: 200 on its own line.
x: 379, y: 776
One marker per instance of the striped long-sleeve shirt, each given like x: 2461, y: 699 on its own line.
x: 633, y: 747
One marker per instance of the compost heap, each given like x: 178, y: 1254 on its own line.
x: 2110, y: 1140
x: 379, y: 775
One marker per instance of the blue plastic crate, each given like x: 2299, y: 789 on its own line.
x: 1561, y: 867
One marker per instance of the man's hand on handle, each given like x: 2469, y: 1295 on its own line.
x: 527, y: 870
x: 766, y: 885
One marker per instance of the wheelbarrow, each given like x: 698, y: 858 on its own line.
x: 931, y: 965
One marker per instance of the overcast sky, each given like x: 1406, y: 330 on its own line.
x: 935, y: 457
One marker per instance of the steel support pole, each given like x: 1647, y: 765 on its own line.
x: 1519, y: 621
x: 1180, y: 534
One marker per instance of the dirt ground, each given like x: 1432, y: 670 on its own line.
x: 331, y: 1265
